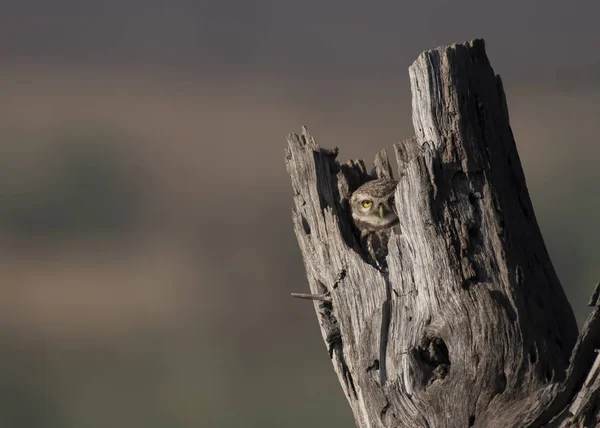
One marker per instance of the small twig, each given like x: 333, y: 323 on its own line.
x: 321, y: 297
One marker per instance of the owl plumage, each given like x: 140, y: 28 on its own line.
x: 374, y: 214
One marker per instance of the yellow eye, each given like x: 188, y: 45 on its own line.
x: 367, y: 204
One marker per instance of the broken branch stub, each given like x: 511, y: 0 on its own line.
x: 479, y: 331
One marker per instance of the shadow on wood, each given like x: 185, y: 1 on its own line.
x: 480, y: 333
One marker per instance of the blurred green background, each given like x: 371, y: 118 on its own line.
x: 146, y: 244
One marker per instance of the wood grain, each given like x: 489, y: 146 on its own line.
x: 480, y: 331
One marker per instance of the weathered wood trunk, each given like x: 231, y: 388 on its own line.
x: 470, y: 326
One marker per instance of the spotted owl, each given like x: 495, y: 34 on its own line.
x: 374, y: 214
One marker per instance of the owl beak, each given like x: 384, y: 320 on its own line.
x: 381, y: 213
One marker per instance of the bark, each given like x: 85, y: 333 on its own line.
x: 469, y: 327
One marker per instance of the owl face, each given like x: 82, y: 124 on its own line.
x: 373, y: 206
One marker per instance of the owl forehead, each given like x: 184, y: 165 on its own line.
x: 375, y: 189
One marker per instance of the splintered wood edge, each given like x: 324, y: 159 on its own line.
x: 583, y: 359
x: 583, y: 375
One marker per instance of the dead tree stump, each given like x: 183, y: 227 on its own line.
x: 477, y: 331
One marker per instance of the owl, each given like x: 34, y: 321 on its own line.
x: 374, y: 214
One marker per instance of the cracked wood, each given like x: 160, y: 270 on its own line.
x: 480, y: 333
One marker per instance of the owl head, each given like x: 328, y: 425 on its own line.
x: 373, y: 206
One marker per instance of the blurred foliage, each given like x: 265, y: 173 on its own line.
x: 189, y: 323
x: 26, y: 398
x: 89, y: 187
